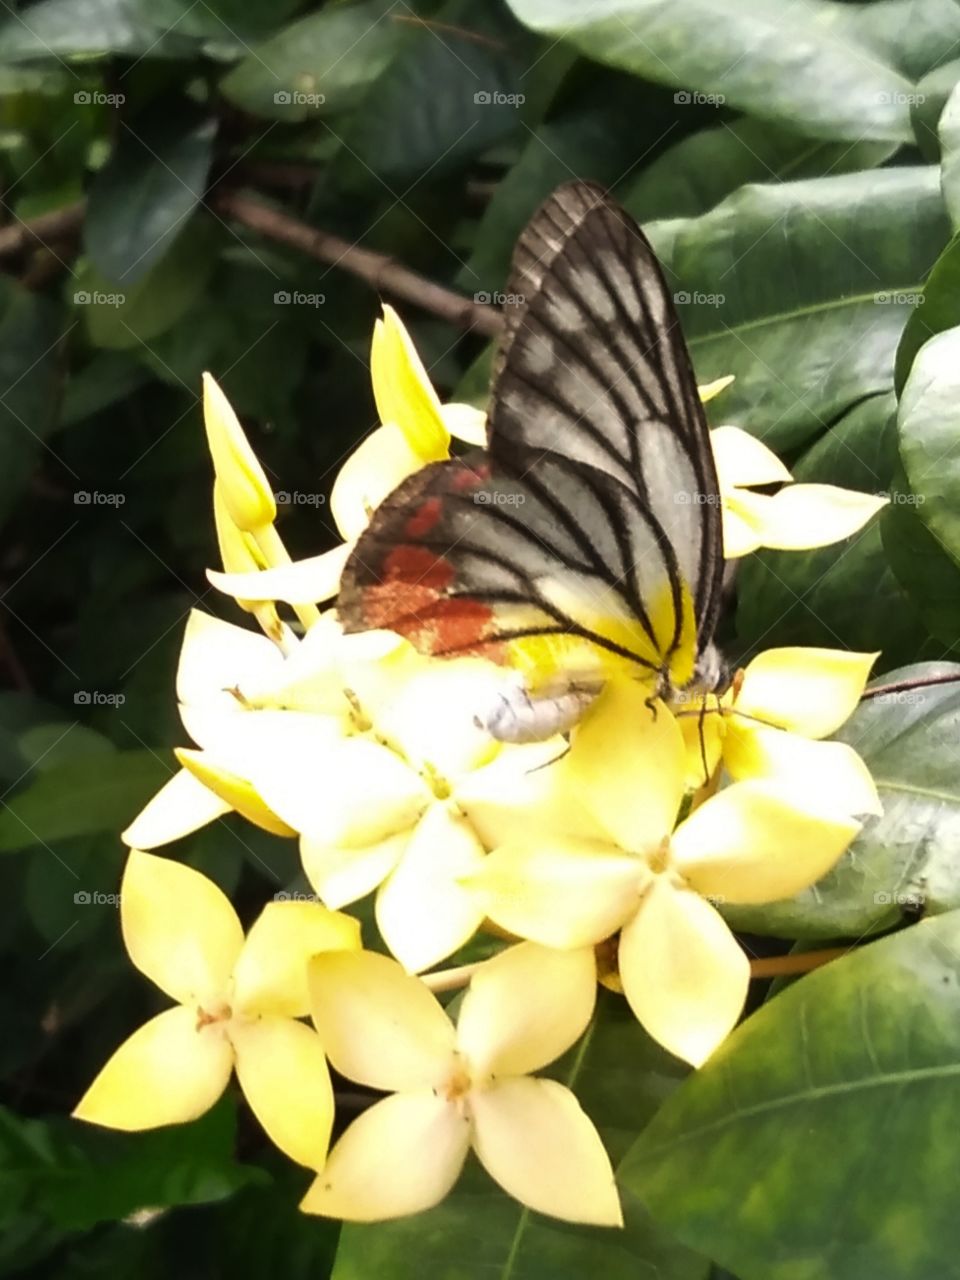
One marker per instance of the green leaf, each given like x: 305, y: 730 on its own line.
x: 699, y: 171
x: 937, y: 307
x: 802, y: 290
x: 620, y: 1078
x: 931, y: 97
x: 930, y: 577
x: 29, y: 329
x: 123, y: 317
x: 80, y: 797
x: 950, y: 155
x: 142, y: 197
x: 757, y: 56
x: 71, y: 28
x: 107, y: 378
x: 768, y: 1157
x: 80, y: 1175
x: 321, y: 64
x: 906, y: 857
x: 440, y: 101
x: 928, y: 422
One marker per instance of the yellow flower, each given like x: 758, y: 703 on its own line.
x: 682, y: 970
x: 799, y: 516
x: 408, y: 807
x: 415, y: 431
x: 247, y: 496
x: 237, y: 1005
x: 453, y: 1088
x: 231, y: 685
x: 767, y: 723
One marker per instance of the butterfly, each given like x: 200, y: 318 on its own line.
x: 586, y: 540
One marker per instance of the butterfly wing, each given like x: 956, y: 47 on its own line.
x: 594, y: 366
x: 556, y: 570
x: 592, y: 525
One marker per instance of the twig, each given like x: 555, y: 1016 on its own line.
x: 379, y: 270
x: 797, y: 962
x: 47, y: 226
x: 917, y: 682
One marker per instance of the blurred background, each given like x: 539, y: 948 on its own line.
x: 162, y: 164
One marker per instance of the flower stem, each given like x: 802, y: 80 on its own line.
x: 796, y: 962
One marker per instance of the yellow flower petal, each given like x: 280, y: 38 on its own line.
x: 637, y: 801
x: 743, y: 515
x: 424, y: 912
x: 179, y: 929
x: 533, y: 1137
x: 379, y: 1026
x: 217, y: 656
x: 283, y: 1074
x: 815, y: 515
x: 430, y: 717
x: 270, y: 975
x: 374, y: 469
x: 830, y: 772
x: 683, y: 972
x: 401, y: 1156
x: 708, y: 390
x: 349, y: 791
x: 402, y: 390
x: 526, y: 1007
x: 810, y: 691
x: 759, y: 841
x: 246, y: 493
x: 341, y: 875
x: 704, y: 732
x: 238, y: 793
x: 560, y: 893
x: 167, y: 1072
x: 181, y: 806
x: 466, y: 422
x: 301, y: 582
x: 524, y: 793
x: 743, y: 460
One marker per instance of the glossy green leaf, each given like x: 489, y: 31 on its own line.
x: 931, y: 97
x: 928, y: 574
x: 937, y: 307
x: 620, y: 1077
x: 71, y: 28
x: 928, y: 422
x: 950, y: 154
x: 701, y: 170
x: 905, y: 859
x: 757, y: 56
x: 817, y: 1144
x: 321, y: 64
x: 142, y: 197
x: 80, y: 797
x: 802, y: 290
x: 128, y: 316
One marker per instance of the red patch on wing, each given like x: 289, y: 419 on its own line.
x: 411, y: 600
x: 424, y: 518
x: 470, y: 477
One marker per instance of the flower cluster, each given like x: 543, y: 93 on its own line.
x: 633, y: 834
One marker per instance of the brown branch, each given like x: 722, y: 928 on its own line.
x: 904, y: 686
x: 379, y: 270
x: 47, y: 226
x: 798, y: 962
